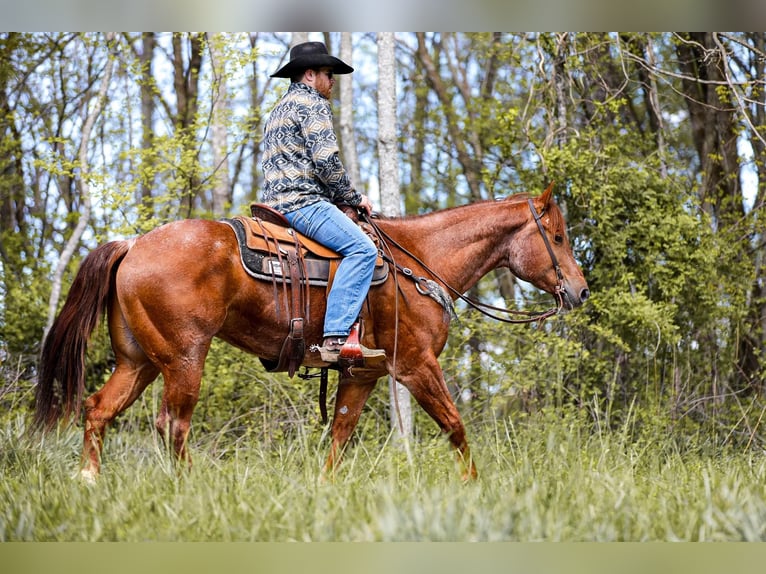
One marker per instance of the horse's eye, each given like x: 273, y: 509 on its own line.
x: 558, y: 239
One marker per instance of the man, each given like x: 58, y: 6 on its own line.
x: 305, y: 180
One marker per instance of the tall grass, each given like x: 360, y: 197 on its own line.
x: 550, y: 478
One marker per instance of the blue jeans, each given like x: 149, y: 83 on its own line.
x: 328, y: 225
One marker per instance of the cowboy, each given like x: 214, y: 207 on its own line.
x: 305, y: 180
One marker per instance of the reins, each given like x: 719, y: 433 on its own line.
x: 483, y: 308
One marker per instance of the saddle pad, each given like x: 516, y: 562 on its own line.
x: 264, y: 264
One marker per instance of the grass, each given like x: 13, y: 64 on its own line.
x: 551, y: 478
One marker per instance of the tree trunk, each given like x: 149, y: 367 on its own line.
x: 255, y: 125
x: 298, y: 38
x: 12, y: 192
x: 752, y: 342
x: 417, y: 146
x: 758, y: 296
x: 147, y: 115
x: 186, y: 83
x: 221, y: 194
x: 347, y: 140
x: 390, y: 198
x: 471, y: 167
x: 713, y: 127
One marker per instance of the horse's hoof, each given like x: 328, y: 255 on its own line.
x: 88, y: 476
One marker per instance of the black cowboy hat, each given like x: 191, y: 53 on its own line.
x: 311, y: 55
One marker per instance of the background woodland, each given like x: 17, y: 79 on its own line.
x: 656, y: 142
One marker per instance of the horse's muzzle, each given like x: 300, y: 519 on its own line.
x: 573, y: 297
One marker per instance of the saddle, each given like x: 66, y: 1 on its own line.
x: 270, y: 250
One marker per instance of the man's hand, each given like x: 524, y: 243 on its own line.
x: 365, y: 205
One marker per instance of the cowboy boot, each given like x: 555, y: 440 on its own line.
x: 349, y: 352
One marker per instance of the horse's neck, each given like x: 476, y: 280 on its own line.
x: 462, y: 244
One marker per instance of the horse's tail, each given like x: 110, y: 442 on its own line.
x: 62, y: 359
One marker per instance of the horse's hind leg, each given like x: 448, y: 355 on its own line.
x: 132, y: 374
x: 183, y: 376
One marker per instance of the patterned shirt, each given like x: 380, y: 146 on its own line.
x: 301, y: 164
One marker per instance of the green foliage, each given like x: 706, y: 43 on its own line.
x: 659, y: 275
x: 239, y: 397
x: 24, y: 291
x: 664, y: 285
x: 23, y: 316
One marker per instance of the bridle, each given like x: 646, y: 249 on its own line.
x: 484, y: 308
x: 559, y: 290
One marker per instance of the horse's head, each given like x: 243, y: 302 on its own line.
x: 541, y: 253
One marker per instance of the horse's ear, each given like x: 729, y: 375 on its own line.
x: 545, y: 198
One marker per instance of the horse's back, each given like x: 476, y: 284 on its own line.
x: 186, y: 248
x: 193, y: 234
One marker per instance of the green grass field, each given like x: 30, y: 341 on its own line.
x: 550, y: 478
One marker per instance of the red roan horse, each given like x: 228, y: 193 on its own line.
x: 169, y: 292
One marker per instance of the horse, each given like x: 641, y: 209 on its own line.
x: 166, y: 294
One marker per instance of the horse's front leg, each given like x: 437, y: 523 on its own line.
x: 350, y: 399
x: 426, y: 383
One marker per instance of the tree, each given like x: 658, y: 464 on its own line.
x: 83, y: 185
x: 299, y: 38
x: 347, y: 135
x: 469, y: 104
x: 221, y: 189
x: 713, y: 124
x: 390, y: 198
x: 746, y: 59
x: 148, y: 105
x: 186, y: 72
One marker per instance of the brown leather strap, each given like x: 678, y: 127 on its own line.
x: 272, y: 247
x: 323, y: 395
x: 294, y: 346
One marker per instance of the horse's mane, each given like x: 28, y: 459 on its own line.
x: 557, y: 219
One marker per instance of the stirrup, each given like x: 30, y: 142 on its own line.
x: 354, y: 357
x: 352, y: 353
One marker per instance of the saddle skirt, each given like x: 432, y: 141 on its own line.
x: 264, y: 247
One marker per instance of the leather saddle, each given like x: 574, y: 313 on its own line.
x: 266, y: 241
x: 270, y: 250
